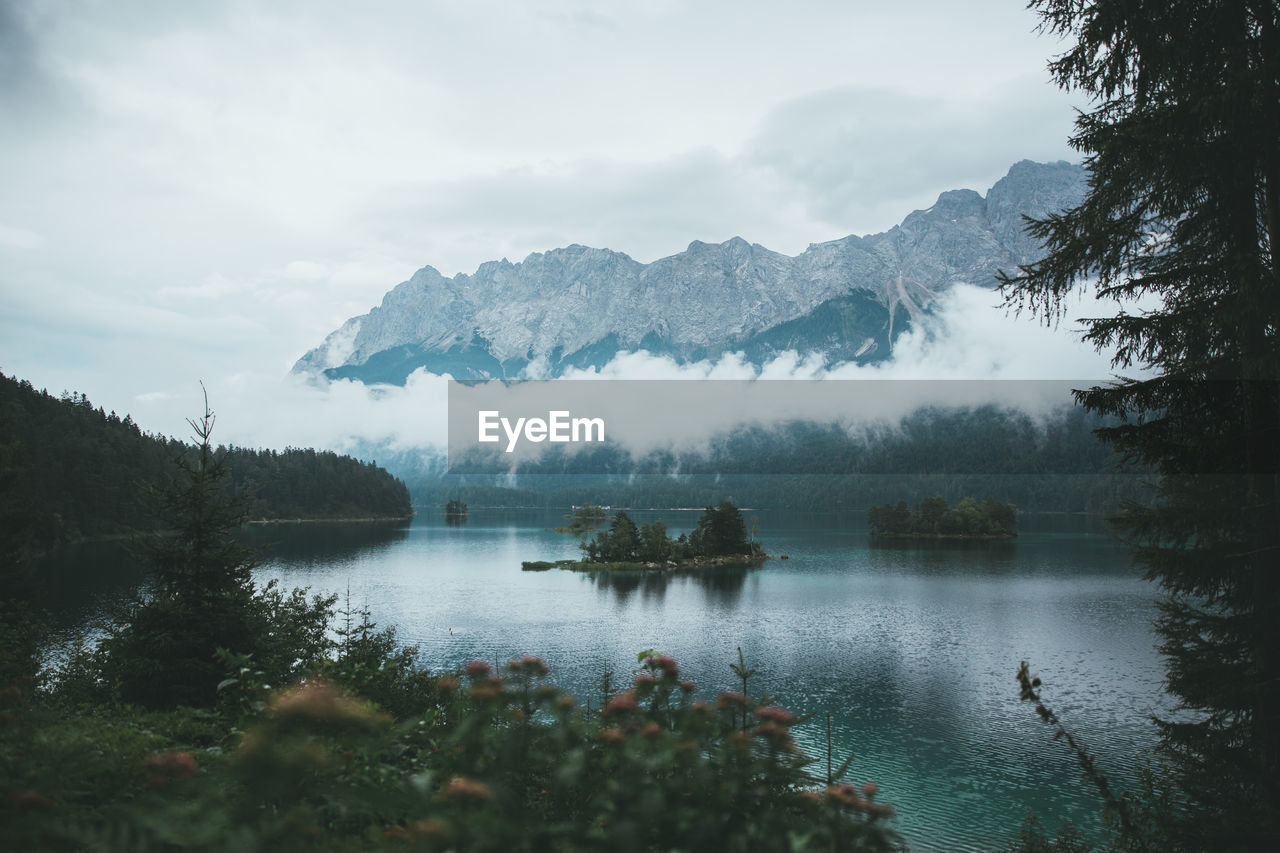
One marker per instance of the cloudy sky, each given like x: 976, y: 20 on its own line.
x: 203, y: 191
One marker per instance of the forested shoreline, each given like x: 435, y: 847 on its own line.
x: 73, y: 471
x: 1049, y: 464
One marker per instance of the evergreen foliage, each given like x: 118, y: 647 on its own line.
x: 1183, y: 213
x: 72, y: 471
x: 1084, y: 493
x: 721, y: 532
x: 1052, y: 464
x: 619, y: 544
x: 931, y: 517
x: 201, y: 601
x: 22, y: 629
x: 583, y: 519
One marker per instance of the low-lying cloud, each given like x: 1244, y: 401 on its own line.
x: 969, y: 337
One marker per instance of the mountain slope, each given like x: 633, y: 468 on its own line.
x: 579, y: 306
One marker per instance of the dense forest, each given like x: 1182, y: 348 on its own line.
x: 1054, y: 464
x: 984, y: 439
x: 1091, y: 493
x: 71, y: 470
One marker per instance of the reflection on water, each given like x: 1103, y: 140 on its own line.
x: 77, y: 583
x: 941, y: 556
x: 721, y: 587
x: 304, y: 542
x: 983, y: 549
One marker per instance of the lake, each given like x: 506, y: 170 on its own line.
x: 911, y: 647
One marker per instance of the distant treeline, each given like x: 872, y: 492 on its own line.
x: 1099, y: 493
x: 70, y: 470
x: 1054, y: 464
x: 986, y: 439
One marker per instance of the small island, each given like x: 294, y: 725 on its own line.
x: 583, y: 520
x: 719, y: 540
x: 932, y: 519
x: 455, y: 512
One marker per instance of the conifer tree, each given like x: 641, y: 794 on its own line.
x: 1180, y: 228
x: 721, y: 531
x: 201, y: 597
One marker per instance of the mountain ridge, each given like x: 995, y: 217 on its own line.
x: 578, y: 306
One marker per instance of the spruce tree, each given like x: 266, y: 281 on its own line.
x: 201, y: 597
x: 200, y: 592
x: 1180, y: 228
x: 721, y: 531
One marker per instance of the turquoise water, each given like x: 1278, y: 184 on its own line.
x: 912, y: 649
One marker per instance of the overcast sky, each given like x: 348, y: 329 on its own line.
x: 205, y: 190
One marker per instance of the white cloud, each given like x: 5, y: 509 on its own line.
x: 861, y: 158
x: 971, y: 336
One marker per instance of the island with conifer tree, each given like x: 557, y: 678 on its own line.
x: 584, y: 519
x: 719, y: 540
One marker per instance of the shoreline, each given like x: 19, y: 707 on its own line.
x: 696, y: 564
x: 126, y: 536
x: 364, y: 520
x: 979, y: 537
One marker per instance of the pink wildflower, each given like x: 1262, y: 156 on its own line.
x: 463, y: 788
x: 477, y: 668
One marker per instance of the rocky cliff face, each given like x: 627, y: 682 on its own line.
x: 579, y: 306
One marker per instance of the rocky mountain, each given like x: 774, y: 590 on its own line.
x: 577, y: 306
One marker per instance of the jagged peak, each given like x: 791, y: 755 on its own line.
x: 1024, y: 166
x: 573, y: 250
x: 735, y: 243
x: 578, y: 296
x: 426, y: 272
x: 957, y: 203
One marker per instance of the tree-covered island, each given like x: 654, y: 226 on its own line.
x: 932, y: 519
x: 583, y: 520
x: 720, y: 539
